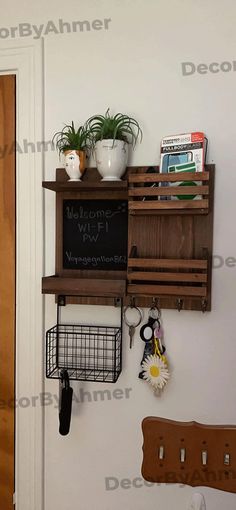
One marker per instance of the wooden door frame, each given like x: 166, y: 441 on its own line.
x: 25, y: 60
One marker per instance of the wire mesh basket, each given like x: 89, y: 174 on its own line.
x: 88, y: 353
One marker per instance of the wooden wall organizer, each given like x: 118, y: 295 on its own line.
x: 189, y: 453
x: 169, y: 241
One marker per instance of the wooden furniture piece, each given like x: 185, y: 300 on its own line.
x: 189, y: 453
x: 169, y: 240
x: 90, y: 286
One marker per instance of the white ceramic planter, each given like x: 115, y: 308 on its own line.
x: 74, y: 164
x: 111, y: 159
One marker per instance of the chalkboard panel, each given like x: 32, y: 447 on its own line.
x: 95, y: 234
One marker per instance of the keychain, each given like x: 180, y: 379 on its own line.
x: 154, y: 363
x: 146, y: 334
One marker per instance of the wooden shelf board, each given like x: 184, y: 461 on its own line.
x: 175, y: 177
x: 150, y: 276
x: 168, y: 191
x: 83, y: 287
x: 167, y: 263
x: 177, y: 205
x: 166, y: 290
x: 67, y: 186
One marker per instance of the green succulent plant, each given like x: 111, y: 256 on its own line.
x: 114, y: 127
x: 70, y: 138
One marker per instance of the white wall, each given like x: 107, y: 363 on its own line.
x: 135, y: 67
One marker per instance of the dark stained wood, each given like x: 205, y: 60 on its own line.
x: 159, y: 238
x: 173, y: 190
x: 7, y: 291
x: 168, y: 277
x: 216, y: 440
x: 172, y: 234
x: 175, y: 177
x: 169, y: 290
x: 140, y: 194
x: 80, y: 187
x: 83, y: 286
x: 168, y: 263
x: 167, y: 205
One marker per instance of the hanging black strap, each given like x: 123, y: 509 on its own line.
x: 65, y: 404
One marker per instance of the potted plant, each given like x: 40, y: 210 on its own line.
x: 74, y: 145
x: 111, y: 136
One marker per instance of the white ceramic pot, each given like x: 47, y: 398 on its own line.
x: 111, y: 159
x: 73, y: 164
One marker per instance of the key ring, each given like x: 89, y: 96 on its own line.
x: 139, y: 318
x: 155, y: 312
x: 132, y: 325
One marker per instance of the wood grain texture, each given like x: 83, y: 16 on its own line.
x: 179, y: 291
x: 166, y: 277
x: 168, y: 235
x: 7, y: 290
x: 168, y: 205
x: 168, y: 263
x: 172, y: 241
x: 173, y: 190
x: 175, y: 177
x: 83, y: 287
x: 140, y: 193
x: 216, y: 440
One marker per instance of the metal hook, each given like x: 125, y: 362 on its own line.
x: 155, y: 303
x: 204, y: 305
x: 155, y: 311
x: 179, y: 304
x: 132, y: 302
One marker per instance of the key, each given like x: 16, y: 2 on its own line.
x: 131, y: 335
x: 132, y: 324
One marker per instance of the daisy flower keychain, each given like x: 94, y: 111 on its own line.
x: 154, y: 366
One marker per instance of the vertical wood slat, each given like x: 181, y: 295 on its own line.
x: 7, y: 289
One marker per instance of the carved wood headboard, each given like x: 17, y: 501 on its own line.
x: 189, y: 453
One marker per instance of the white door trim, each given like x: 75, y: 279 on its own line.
x: 26, y: 61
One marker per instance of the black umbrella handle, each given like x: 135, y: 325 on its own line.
x: 66, y: 395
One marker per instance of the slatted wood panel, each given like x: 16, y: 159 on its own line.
x: 7, y: 290
x: 170, y: 250
x: 171, y: 279
x: 208, y: 453
x: 143, y: 199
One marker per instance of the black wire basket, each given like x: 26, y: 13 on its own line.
x: 88, y: 353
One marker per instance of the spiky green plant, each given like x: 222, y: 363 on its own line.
x: 114, y: 127
x: 70, y: 138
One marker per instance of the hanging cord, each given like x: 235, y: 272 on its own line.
x: 157, y: 351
